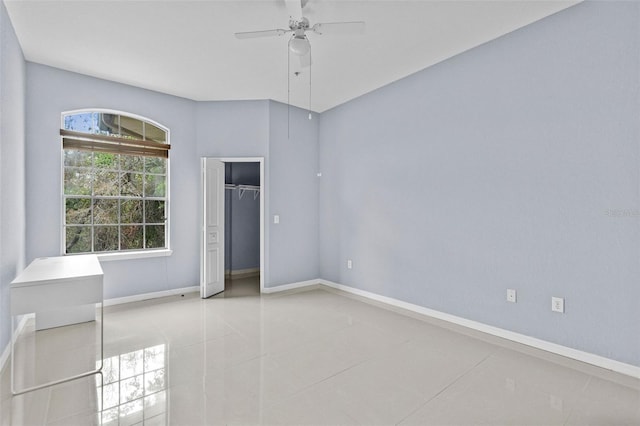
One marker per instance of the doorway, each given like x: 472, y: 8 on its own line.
x: 232, y: 249
x: 242, y: 228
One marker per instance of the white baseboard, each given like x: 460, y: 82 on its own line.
x: 153, y: 295
x: 291, y: 286
x: 597, y: 360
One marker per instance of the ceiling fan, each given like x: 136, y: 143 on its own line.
x: 299, y: 43
x: 299, y: 26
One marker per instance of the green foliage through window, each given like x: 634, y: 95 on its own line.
x: 114, y: 201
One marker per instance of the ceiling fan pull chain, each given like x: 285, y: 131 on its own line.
x: 310, y: 65
x: 288, y: 90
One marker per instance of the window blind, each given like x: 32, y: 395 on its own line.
x: 113, y: 144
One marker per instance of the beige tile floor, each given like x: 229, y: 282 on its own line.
x: 308, y: 357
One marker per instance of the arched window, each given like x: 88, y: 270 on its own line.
x: 115, y: 182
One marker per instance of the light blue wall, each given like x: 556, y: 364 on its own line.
x: 12, y: 167
x: 51, y: 91
x: 237, y: 129
x: 232, y: 129
x: 225, y: 129
x: 259, y: 129
x: 503, y: 167
x: 293, y: 154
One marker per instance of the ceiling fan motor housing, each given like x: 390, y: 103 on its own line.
x: 302, y: 24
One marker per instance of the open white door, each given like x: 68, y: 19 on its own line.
x: 212, y: 249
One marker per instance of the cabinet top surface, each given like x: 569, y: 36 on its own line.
x: 59, y: 268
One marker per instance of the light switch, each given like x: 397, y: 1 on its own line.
x: 276, y: 218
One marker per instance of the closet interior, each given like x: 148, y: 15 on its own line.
x: 242, y: 223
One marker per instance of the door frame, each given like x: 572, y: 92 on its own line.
x: 262, y: 210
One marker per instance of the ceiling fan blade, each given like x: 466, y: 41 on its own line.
x: 339, y: 28
x: 265, y: 33
x: 305, y: 60
x: 294, y: 9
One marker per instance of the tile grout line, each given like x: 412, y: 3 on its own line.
x: 304, y: 388
x: 456, y: 380
x: 584, y: 387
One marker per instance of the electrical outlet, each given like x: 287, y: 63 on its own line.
x: 557, y: 304
x: 349, y: 264
x: 511, y: 295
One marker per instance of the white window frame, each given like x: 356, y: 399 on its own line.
x: 128, y: 254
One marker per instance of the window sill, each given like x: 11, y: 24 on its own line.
x: 107, y: 257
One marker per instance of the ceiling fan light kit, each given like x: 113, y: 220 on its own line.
x: 299, y: 45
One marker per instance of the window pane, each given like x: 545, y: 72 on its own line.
x: 83, y: 122
x: 108, y: 124
x: 132, y: 163
x: 154, y: 185
x: 155, y: 165
x: 77, y: 181
x: 154, y: 211
x: 106, y: 238
x: 130, y: 237
x: 131, y: 211
x: 131, y: 184
x: 105, y: 160
x: 105, y: 211
x: 130, y: 127
x: 154, y: 236
x: 78, y: 239
x: 77, y: 158
x: 78, y: 211
x: 153, y: 133
x: 106, y: 183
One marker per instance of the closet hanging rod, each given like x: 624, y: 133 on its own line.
x: 243, y: 188
x: 249, y: 187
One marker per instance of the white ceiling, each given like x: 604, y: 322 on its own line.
x: 188, y: 48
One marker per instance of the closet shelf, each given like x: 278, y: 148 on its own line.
x: 243, y: 188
